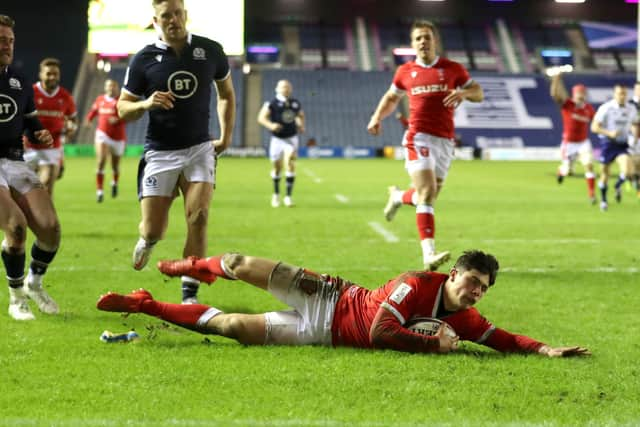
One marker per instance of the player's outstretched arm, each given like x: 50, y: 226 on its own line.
x: 563, y: 351
x: 557, y: 89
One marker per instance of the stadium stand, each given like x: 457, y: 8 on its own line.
x: 338, y: 104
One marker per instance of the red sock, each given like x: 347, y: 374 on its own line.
x: 99, y: 180
x: 425, y: 222
x: 591, y: 185
x: 185, y: 315
x: 407, y: 196
x: 214, y: 265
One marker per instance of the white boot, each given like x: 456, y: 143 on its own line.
x: 19, y: 305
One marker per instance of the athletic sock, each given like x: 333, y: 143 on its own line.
x: 425, y: 221
x: 290, y: 179
x: 276, y: 183
x: 591, y: 183
x: 40, y: 260
x: 190, y: 287
x: 603, y: 191
x: 408, y: 197
x: 99, y: 180
x: 620, y: 181
x: 190, y: 316
x: 14, y: 267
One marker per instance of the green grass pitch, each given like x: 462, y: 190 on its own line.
x: 570, y: 276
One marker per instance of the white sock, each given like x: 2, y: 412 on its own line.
x: 207, y: 315
x: 428, y: 247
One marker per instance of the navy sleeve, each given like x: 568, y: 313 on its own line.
x: 222, y: 65
x: 31, y: 121
x: 134, y: 79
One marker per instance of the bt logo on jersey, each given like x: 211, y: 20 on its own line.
x: 8, y: 108
x: 182, y: 84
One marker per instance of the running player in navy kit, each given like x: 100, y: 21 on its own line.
x: 284, y: 117
x: 172, y: 80
x: 24, y: 202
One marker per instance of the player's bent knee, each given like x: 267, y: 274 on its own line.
x: 232, y: 261
x: 16, y: 232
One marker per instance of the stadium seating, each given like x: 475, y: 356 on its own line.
x: 338, y: 105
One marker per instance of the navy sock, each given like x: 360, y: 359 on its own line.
x: 619, y: 182
x: 189, y: 290
x: 603, y: 192
x: 290, y: 181
x: 40, y: 259
x: 14, y: 266
x: 276, y: 185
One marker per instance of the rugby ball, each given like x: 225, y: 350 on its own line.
x: 429, y: 326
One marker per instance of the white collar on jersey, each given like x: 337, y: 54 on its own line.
x: 161, y: 44
x: 45, y: 93
x: 422, y: 64
x: 281, y: 98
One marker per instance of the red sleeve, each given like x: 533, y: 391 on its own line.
x: 94, y: 110
x: 71, y: 106
x: 387, y: 332
x: 397, y: 78
x: 507, y: 342
x: 463, y: 76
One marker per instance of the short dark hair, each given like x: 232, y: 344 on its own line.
x: 423, y: 23
x: 7, y: 21
x: 157, y: 2
x: 478, y: 260
x: 49, y: 62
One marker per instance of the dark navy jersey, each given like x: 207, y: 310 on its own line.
x: 17, y: 113
x: 285, y: 112
x: 188, y: 76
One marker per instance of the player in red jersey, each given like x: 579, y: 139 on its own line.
x: 57, y: 112
x: 110, y: 136
x: 577, y: 114
x: 333, y: 311
x: 435, y: 87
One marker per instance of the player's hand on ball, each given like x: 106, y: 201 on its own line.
x: 448, y: 343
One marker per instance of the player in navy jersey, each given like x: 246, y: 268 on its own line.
x: 329, y: 310
x: 24, y: 202
x: 283, y: 116
x: 612, y: 123
x: 171, y: 79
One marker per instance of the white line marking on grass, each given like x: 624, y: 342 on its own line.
x: 577, y: 270
x: 262, y: 423
x: 387, y: 235
x: 342, y: 199
x: 315, y: 178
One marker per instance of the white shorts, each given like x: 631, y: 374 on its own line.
x: 571, y: 151
x: 313, y: 301
x: 428, y: 152
x: 17, y: 175
x: 278, y: 147
x: 116, y: 148
x: 46, y: 156
x: 159, y: 170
